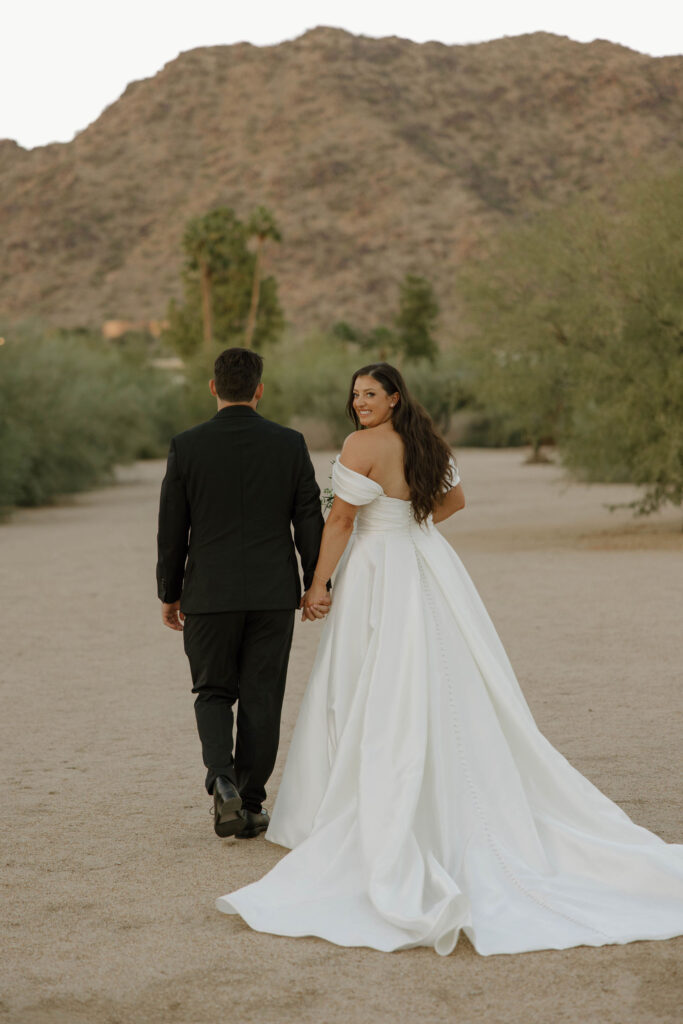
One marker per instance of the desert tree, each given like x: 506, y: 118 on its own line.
x: 261, y: 226
x: 416, y: 319
x: 576, y: 332
x: 217, y: 277
x: 208, y: 241
x: 411, y: 335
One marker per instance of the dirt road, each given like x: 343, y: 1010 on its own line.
x: 110, y: 864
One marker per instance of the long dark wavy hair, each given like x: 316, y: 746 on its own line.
x: 426, y: 459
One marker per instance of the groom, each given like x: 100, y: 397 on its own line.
x: 228, y: 578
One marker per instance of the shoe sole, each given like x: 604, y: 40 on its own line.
x: 251, y: 833
x: 227, y: 821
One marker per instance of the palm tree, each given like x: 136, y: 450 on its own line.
x: 197, y: 244
x: 208, y: 243
x: 262, y: 226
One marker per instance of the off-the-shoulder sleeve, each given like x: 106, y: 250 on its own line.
x: 353, y: 487
x: 455, y: 475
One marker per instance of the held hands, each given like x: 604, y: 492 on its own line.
x: 315, y: 603
x: 172, y: 616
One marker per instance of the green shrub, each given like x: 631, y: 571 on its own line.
x: 71, y: 407
x: 576, y: 334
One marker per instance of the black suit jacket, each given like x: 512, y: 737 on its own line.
x: 234, y: 486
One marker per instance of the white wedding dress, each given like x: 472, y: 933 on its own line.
x: 419, y: 797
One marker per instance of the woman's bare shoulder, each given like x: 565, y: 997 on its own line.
x: 358, y: 451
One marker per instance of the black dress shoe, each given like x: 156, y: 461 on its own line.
x: 254, y: 822
x: 227, y: 803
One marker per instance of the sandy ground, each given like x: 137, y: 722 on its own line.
x: 110, y: 863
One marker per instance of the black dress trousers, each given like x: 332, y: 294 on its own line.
x: 239, y: 656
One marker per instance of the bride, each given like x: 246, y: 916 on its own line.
x: 419, y: 798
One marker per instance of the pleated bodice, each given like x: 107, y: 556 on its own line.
x: 378, y: 512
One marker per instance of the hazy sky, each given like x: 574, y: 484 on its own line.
x: 63, y: 61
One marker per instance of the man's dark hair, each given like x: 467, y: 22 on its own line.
x: 237, y: 373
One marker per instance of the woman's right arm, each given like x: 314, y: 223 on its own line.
x: 338, y: 529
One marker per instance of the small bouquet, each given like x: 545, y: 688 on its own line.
x: 327, y: 496
x: 326, y: 499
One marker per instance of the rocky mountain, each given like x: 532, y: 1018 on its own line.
x: 377, y: 156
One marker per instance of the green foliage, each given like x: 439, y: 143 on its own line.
x: 440, y: 384
x: 261, y: 224
x: 216, y: 251
x: 262, y: 227
x: 71, y: 408
x: 344, y: 331
x: 311, y: 381
x: 412, y: 336
x: 197, y: 403
x: 215, y: 239
x: 577, y: 335
x: 417, y: 315
x: 382, y: 341
x: 379, y: 338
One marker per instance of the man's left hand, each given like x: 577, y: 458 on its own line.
x: 172, y: 616
x: 315, y: 604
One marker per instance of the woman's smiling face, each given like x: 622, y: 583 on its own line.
x: 371, y: 402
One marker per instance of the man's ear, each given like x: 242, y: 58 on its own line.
x: 212, y: 388
x: 258, y: 394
